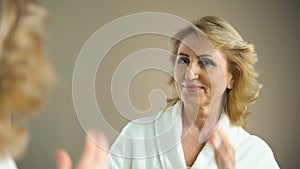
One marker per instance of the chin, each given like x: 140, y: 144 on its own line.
x: 195, y: 100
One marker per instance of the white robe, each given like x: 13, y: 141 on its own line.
x: 155, y: 142
x: 6, y: 162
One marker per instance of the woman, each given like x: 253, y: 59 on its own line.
x: 215, y: 80
x: 25, y: 75
x: 25, y: 79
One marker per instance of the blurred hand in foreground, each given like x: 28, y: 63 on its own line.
x: 93, y: 157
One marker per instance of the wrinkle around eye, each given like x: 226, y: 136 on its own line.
x: 183, y: 60
x: 206, y: 62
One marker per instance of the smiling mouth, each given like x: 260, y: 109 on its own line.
x: 193, y: 88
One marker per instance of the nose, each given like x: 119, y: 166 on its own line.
x: 192, y: 71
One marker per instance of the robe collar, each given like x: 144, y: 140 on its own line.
x: 168, y: 130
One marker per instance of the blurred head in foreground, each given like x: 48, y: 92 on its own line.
x: 25, y: 75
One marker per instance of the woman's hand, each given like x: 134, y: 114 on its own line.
x: 93, y: 156
x: 224, y: 151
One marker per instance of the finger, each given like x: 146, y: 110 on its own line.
x: 63, y: 160
x: 225, y: 143
x: 212, y: 141
x: 221, y: 145
x: 223, y: 150
x: 223, y: 137
x: 89, y: 153
x: 102, y: 154
x: 93, y: 153
x: 215, y: 141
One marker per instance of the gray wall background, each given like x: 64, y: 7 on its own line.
x: 272, y: 26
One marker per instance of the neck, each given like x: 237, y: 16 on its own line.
x: 196, y: 116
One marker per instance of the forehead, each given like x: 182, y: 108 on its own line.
x: 197, y: 43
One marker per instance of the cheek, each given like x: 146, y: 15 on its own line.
x: 179, y: 73
x: 217, y: 82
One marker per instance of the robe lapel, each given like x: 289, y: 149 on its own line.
x: 206, y: 158
x: 168, y: 129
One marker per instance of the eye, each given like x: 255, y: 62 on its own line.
x: 183, y: 60
x: 206, y: 62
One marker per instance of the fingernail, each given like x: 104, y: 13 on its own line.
x: 59, y: 155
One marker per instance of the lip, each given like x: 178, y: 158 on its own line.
x: 192, y: 88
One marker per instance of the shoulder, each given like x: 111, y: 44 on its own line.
x: 135, y: 141
x: 148, y: 126
x: 143, y: 127
x: 252, y: 149
x: 252, y: 143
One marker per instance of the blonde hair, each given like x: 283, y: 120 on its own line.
x: 25, y: 75
x: 240, y: 56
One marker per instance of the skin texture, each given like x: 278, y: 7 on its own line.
x: 202, y: 78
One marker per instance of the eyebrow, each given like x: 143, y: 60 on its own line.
x: 203, y: 55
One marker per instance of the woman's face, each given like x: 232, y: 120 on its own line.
x: 200, y: 72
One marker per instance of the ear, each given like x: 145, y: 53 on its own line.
x: 230, y: 81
